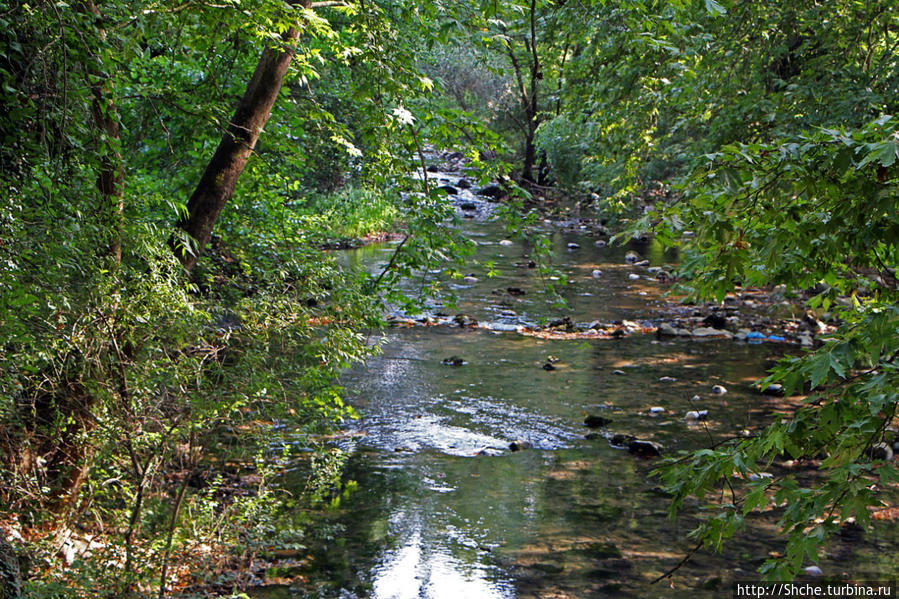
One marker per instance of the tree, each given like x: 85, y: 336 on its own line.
x: 217, y: 184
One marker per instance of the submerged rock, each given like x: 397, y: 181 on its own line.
x: 643, y: 448
x: 468, y: 206
x: 519, y: 445
x: 453, y: 361
x: 719, y: 389
x: 621, y: 439
x: 506, y: 242
x: 632, y: 257
x: 667, y: 379
x: 594, y: 421
x: 449, y: 189
x: 548, y: 367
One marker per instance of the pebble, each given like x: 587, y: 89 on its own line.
x: 656, y: 410
x: 506, y: 242
x: 719, y: 390
x: 573, y: 246
x: 618, y: 372
x: 667, y: 379
x: 695, y: 398
x: 633, y: 277
x: 601, y: 243
x: 596, y: 273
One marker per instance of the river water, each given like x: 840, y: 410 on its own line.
x: 445, y: 509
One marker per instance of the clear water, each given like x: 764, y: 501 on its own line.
x: 444, y: 509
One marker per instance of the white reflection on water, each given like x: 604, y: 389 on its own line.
x: 418, y: 572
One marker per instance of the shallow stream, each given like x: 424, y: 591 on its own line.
x: 445, y: 509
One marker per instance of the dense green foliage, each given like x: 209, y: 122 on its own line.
x: 770, y: 128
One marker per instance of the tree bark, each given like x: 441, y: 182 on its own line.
x: 217, y: 184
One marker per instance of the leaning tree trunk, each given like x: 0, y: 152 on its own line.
x: 218, y: 181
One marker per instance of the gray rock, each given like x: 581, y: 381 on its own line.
x: 666, y: 329
x: 710, y: 332
x: 696, y: 415
x: 632, y: 257
x: 719, y: 389
x: 644, y: 448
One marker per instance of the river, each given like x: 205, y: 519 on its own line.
x: 445, y: 509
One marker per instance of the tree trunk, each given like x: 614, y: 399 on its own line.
x: 218, y: 181
x: 111, y: 180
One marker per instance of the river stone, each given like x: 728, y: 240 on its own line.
x: 492, y: 191
x: 596, y: 273
x: 593, y: 421
x: 621, y: 440
x: 633, y: 277
x: 619, y: 372
x: 774, y: 390
x: 547, y: 367
x: 813, y: 571
x: 881, y: 451
x: 657, y: 410
x: 666, y: 329
x: 715, y: 321
x: 469, y: 206
x: 573, y: 246
x: 644, y: 448
x: 453, y: 361
x: 506, y: 242
x: 463, y: 183
x: 464, y: 320
x: 696, y: 415
x: 519, y: 445
x: 667, y: 379
x: 684, y: 333
x: 449, y: 189
x: 601, y: 243
x: 719, y: 389
x: 710, y: 332
x: 632, y: 257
